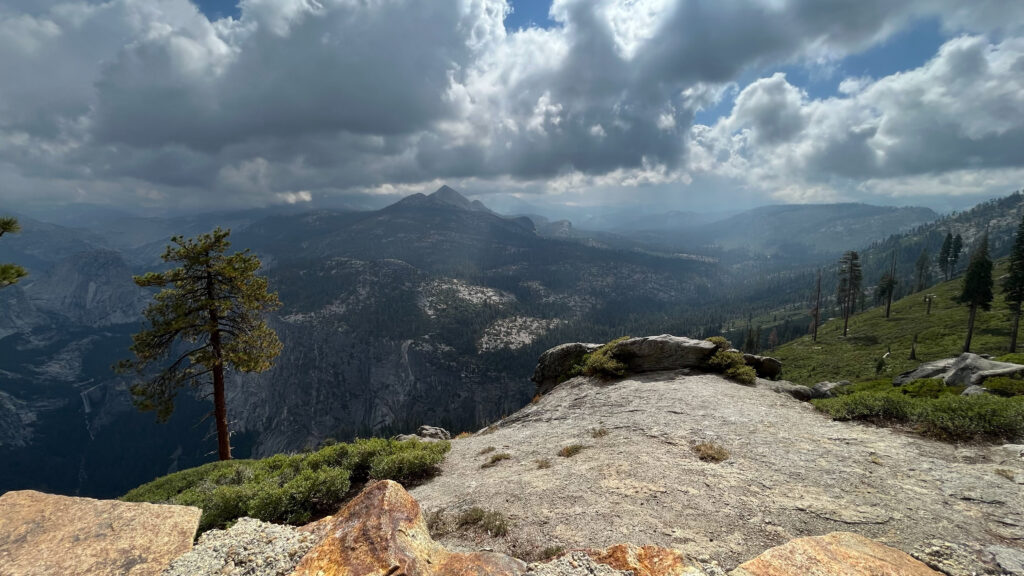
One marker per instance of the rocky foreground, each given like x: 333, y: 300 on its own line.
x: 669, y: 472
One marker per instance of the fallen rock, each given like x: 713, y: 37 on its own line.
x: 765, y: 366
x: 646, y: 560
x: 248, y: 548
x: 827, y: 389
x: 664, y: 352
x: 835, y: 554
x: 965, y: 370
x: 381, y: 532
x: 427, y: 434
x: 974, y: 391
x: 44, y: 534
x: 802, y: 393
x: 555, y: 365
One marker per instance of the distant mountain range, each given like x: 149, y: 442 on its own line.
x: 430, y: 310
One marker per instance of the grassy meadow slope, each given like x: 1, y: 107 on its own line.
x: 939, y: 335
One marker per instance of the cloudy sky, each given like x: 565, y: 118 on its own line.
x: 701, y: 104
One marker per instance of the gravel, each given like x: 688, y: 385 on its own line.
x: 249, y: 548
x: 575, y: 564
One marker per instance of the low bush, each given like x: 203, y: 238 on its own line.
x: 571, y: 450
x: 490, y: 521
x: 711, y: 452
x: 1004, y: 386
x: 291, y: 489
x: 929, y: 388
x: 600, y: 432
x: 730, y: 362
x: 600, y: 363
x: 494, y: 459
x: 947, y: 416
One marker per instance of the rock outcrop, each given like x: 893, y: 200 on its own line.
x: 640, y: 355
x: 965, y: 370
x: 646, y: 560
x: 556, y: 365
x: 835, y: 554
x: 381, y: 532
x: 43, y: 535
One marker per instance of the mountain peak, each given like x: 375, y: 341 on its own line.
x: 448, y: 195
x: 444, y: 197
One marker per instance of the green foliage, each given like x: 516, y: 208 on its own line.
x: 1005, y: 386
x: 929, y: 388
x: 939, y: 335
x: 1014, y: 358
x: 948, y: 416
x: 977, y: 283
x: 493, y: 522
x: 291, y: 489
x: 729, y: 362
x: 207, y: 317
x: 601, y: 364
x: 10, y: 273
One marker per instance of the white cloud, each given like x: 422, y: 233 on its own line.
x: 148, y: 98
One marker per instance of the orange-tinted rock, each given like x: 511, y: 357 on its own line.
x: 645, y: 560
x: 382, y: 533
x: 835, y: 554
x: 43, y: 535
x: 318, y: 528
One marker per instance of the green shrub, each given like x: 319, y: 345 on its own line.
x: 1004, y: 386
x: 291, y: 488
x: 490, y: 521
x: 711, y: 452
x: 1013, y: 358
x: 947, y: 416
x: 929, y: 388
x: 720, y: 342
x: 600, y: 363
x: 732, y: 365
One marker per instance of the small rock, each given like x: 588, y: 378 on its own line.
x: 974, y: 391
x: 765, y: 366
x: 433, y: 432
x: 827, y: 389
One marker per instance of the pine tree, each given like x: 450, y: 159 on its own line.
x: 943, y: 259
x: 954, y: 253
x: 849, y: 288
x: 208, y: 316
x: 10, y: 273
x: 887, y: 286
x: 1013, y: 285
x: 922, y: 271
x: 977, y: 286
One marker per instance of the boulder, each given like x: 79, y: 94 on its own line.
x: 664, y: 352
x: 827, y: 389
x: 556, y: 364
x: 765, y: 366
x: 433, y: 432
x: 646, y: 560
x: 44, y: 534
x: 801, y: 393
x: 974, y: 391
x: 835, y: 554
x: 426, y: 434
x: 965, y: 370
x: 381, y: 532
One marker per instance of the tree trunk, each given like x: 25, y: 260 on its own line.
x: 220, y: 405
x: 888, y: 304
x: 1014, y: 325
x: 970, y: 327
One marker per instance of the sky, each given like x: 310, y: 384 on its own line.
x: 171, y: 105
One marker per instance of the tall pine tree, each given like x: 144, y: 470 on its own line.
x: 944, y: 252
x: 1013, y: 285
x: 10, y: 273
x: 954, y: 253
x: 208, y: 317
x: 977, y: 286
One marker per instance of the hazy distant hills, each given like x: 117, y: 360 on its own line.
x: 814, y: 229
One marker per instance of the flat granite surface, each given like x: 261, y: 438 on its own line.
x: 791, y: 472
